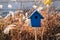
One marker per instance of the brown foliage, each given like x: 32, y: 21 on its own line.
x: 50, y: 27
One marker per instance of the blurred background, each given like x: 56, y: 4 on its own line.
x: 12, y: 5
x: 15, y: 25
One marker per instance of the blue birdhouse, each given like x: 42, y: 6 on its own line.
x: 35, y: 19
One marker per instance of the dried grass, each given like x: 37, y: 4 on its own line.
x: 50, y: 27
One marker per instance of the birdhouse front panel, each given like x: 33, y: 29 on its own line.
x: 35, y: 23
x: 35, y: 20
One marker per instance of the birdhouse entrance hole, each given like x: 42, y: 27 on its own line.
x: 36, y: 17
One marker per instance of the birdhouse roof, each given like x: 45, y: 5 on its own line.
x: 34, y: 13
